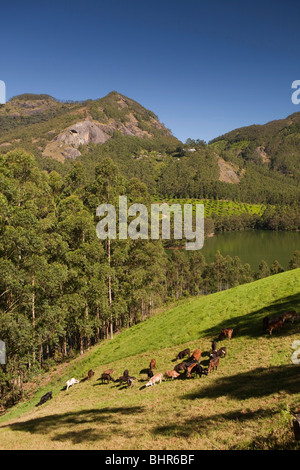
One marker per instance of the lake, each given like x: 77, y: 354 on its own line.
x: 253, y: 246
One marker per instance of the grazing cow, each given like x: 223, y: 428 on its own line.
x: 190, y: 369
x: 46, y: 397
x: 290, y: 315
x: 126, y: 378
x: 225, y: 333
x: 171, y: 374
x: 90, y: 374
x: 107, y: 378
x: 126, y: 373
x: 156, y: 378
x: 199, y: 370
x: 151, y: 367
x: 220, y: 353
x: 275, y: 324
x: 181, y: 366
x: 130, y: 381
x: 71, y: 382
x: 214, y: 345
x: 213, y: 363
x: 196, y: 355
x: 182, y: 354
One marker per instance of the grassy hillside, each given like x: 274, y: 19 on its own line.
x: 247, y: 403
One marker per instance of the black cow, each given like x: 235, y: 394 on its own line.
x: 46, y: 397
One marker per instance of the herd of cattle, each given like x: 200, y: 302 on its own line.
x: 190, y: 366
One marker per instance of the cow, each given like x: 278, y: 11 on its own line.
x: 220, y: 353
x: 213, y: 363
x: 190, y: 369
x: 275, y: 324
x: 46, y: 397
x: 181, y: 366
x: 171, y: 374
x: 107, y: 378
x: 156, y: 378
x: 213, y: 345
x: 126, y: 378
x: 199, y: 370
x: 151, y: 367
x: 108, y: 371
x: 225, y: 333
x: 196, y: 355
x: 130, y: 381
x: 90, y: 374
x: 182, y: 354
x: 290, y: 315
x: 71, y: 382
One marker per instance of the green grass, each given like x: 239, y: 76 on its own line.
x: 245, y: 404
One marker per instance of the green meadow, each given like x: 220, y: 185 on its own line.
x: 248, y: 403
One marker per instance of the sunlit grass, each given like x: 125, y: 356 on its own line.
x: 245, y: 404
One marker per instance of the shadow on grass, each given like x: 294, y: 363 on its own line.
x: 250, y: 324
x: 202, y: 424
x: 110, y: 417
x: 258, y: 383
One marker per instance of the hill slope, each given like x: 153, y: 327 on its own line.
x: 245, y: 404
x: 50, y: 128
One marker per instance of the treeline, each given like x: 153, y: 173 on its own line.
x: 61, y: 288
x: 277, y: 218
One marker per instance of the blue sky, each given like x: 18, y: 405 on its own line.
x: 203, y: 67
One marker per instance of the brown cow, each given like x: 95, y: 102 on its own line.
x: 226, y: 333
x: 107, y: 378
x: 108, y: 371
x: 213, y: 363
x: 90, y: 374
x: 275, y: 324
x: 171, y: 374
x: 196, y: 355
x: 151, y: 367
x: 190, y: 369
x: 290, y: 315
x: 182, y: 354
x: 181, y: 366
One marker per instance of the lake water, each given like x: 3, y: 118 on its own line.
x: 253, y: 246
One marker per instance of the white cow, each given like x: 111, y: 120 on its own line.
x: 71, y: 382
x: 154, y: 379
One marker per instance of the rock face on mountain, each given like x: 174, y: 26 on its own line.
x: 65, y: 145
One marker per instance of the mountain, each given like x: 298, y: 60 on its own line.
x: 255, y: 164
x: 275, y: 145
x: 245, y: 404
x: 50, y: 128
